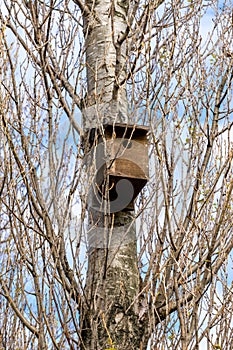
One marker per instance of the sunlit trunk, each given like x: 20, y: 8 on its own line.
x: 105, y: 62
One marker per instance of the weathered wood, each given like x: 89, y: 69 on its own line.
x: 122, y: 153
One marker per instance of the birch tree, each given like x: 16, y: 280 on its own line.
x: 74, y: 276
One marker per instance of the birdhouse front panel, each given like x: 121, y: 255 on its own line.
x: 122, y: 153
x: 128, y: 158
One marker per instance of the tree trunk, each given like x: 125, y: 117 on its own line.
x: 105, y: 61
x: 110, y: 317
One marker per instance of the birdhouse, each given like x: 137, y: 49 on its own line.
x: 121, y: 164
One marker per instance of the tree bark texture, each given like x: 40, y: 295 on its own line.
x: 110, y: 317
x: 104, y: 27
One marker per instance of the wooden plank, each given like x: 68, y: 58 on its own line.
x: 125, y: 168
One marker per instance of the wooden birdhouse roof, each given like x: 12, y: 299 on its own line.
x: 126, y: 131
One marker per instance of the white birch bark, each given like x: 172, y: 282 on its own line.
x: 105, y: 61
